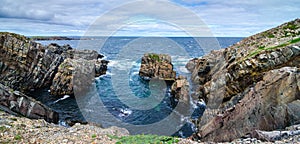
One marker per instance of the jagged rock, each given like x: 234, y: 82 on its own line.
x: 191, y: 65
x: 18, y: 103
x: 62, y: 83
x: 24, y: 64
x: 180, y: 89
x: 84, y: 54
x: 71, y: 74
x: 157, y: 66
x: 270, y: 104
x: 100, y: 67
x: 235, y: 70
x: 57, y: 49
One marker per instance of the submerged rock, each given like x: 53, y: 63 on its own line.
x: 157, y: 66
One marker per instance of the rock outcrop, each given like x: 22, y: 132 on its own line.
x: 18, y: 103
x: 64, y: 83
x: 157, y: 66
x: 180, y: 89
x: 252, y: 85
x: 26, y: 65
x: 270, y: 104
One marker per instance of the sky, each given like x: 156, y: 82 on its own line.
x: 221, y: 18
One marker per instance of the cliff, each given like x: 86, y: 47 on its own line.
x: 26, y: 65
x: 252, y: 85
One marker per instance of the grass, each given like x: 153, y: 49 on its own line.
x: 271, y: 36
x: 18, y: 137
x: 263, y: 48
x: 94, y: 136
x: 145, y: 139
x: 155, y: 57
x: 291, y: 26
x: 3, y: 128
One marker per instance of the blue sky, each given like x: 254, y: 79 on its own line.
x: 237, y: 18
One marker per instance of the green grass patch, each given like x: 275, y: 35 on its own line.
x: 271, y: 36
x: 291, y: 26
x: 3, y: 128
x: 295, y: 40
x: 18, y: 137
x: 154, y: 57
x: 145, y: 139
x: 263, y: 48
x: 94, y: 136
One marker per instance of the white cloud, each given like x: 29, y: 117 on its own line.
x: 68, y: 17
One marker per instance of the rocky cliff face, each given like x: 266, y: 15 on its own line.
x: 157, y: 66
x: 272, y: 103
x: 252, y: 85
x: 26, y: 65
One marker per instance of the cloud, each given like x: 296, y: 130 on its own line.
x: 66, y: 17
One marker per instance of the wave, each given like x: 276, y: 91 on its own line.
x: 63, y: 98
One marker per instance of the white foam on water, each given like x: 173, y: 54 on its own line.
x: 183, y: 69
x: 125, y: 112
x: 63, y: 98
x: 123, y: 64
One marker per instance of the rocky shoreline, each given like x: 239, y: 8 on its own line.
x: 252, y: 85
x: 251, y: 89
x: 26, y: 65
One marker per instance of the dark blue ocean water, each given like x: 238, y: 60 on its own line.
x: 122, y: 79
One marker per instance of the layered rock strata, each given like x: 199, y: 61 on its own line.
x: 252, y: 85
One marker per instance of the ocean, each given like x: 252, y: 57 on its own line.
x: 122, y: 79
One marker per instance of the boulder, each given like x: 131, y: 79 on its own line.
x: 18, y: 103
x: 157, y: 66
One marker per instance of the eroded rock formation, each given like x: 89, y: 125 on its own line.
x: 26, y: 65
x: 157, y: 66
x: 252, y: 85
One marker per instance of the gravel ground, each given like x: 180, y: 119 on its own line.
x: 23, y: 130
